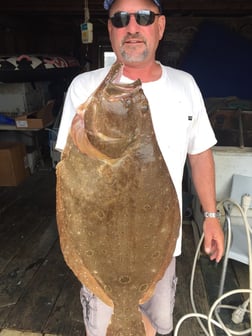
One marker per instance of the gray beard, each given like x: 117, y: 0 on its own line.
x: 133, y: 58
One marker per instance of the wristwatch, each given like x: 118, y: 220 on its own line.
x: 212, y: 214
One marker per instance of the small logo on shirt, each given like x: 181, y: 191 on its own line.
x: 189, y: 117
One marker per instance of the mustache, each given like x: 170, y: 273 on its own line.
x: 136, y: 36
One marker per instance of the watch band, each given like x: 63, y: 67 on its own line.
x: 212, y: 214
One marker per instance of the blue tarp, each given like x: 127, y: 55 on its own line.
x: 220, y: 61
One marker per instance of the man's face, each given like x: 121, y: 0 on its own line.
x: 134, y: 43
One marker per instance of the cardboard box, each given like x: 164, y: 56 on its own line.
x: 13, y: 164
x: 37, y: 120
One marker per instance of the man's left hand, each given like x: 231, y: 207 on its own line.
x: 214, y: 239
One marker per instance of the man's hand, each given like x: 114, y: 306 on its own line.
x: 214, y: 238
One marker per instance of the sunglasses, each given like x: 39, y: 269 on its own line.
x: 143, y: 18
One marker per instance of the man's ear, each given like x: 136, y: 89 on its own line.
x: 161, y: 25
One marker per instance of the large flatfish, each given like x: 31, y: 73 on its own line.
x: 117, y: 209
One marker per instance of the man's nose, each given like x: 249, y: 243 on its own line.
x: 133, y: 25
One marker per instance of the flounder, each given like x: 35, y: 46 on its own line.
x: 117, y: 209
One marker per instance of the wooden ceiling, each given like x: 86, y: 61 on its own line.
x: 171, y: 7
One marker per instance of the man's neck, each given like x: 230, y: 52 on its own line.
x: 149, y: 73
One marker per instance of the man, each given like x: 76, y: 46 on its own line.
x: 182, y: 130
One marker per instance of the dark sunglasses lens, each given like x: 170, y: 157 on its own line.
x: 120, y: 19
x: 145, y: 17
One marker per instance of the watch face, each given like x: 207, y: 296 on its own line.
x: 212, y: 214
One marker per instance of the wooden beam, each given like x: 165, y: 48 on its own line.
x: 96, y: 6
x: 10, y: 332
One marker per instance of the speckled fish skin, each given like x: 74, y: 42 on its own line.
x: 117, y: 209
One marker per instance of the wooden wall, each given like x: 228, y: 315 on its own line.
x: 60, y: 34
x: 44, y: 34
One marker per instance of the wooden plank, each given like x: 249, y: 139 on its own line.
x: 47, y: 299
x: 242, y: 275
x: 4, y: 312
x: 35, y: 199
x: 77, y: 330
x: 34, y: 307
x: 96, y: 7
x: 182, y: 303
x: 26, y: 235
x: 6, y: 198
x: 8, y: 332
x: 33, y: 187
x: 16, y: 226
x: 66, y: 318
x: 21, y: 269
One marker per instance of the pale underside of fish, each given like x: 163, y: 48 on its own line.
x: 117, y: 209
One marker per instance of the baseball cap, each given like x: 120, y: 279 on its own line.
x: 108, y: 4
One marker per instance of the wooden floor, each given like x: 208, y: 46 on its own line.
x: 38, y: 293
